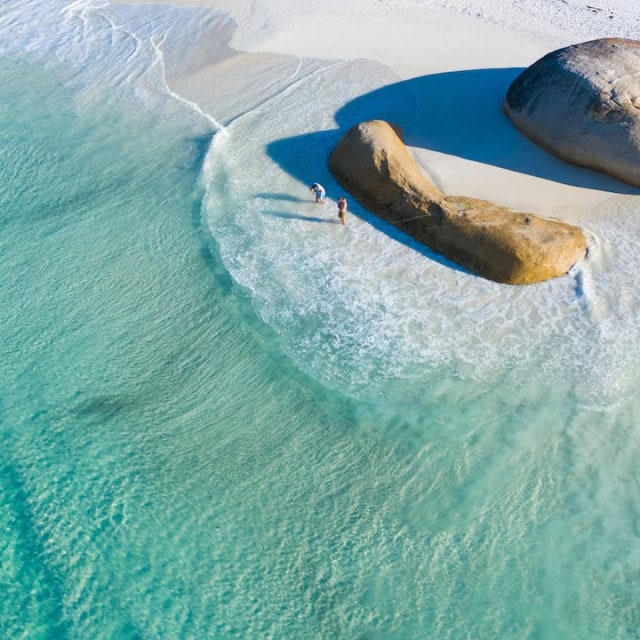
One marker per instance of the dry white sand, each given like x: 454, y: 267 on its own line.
x: 424, y: 38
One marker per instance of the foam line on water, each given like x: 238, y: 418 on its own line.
x: 157, y: 46
x: 122, y: 47
x: 290, y: 84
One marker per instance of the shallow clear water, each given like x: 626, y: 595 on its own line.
x: 223, y: 416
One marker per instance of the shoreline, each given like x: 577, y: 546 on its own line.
x: 465, y: 61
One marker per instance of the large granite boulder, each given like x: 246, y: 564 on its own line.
x: 372, y: 163
x: 582, y: 104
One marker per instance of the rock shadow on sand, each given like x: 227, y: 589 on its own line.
x: 457, y: 113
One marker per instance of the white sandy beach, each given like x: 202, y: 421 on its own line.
x: 456, y: 49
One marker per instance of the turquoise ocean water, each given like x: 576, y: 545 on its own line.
x: 224, y: 416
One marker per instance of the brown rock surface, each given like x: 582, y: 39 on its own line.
x: 582, y: 104
x: 373, y: 164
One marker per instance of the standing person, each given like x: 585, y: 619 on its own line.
x: 342, y: 209
x: 319, y: 191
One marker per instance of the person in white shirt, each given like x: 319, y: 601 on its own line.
x: 319, y: 191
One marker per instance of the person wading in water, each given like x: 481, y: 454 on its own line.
x: 318, y: 190
x: 342, y: 209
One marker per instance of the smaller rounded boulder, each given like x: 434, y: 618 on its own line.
x: 582, y: 104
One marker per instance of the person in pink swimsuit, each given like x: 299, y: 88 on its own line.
x: 342, y: 209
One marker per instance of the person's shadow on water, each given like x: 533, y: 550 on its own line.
x: 287, y: 197
x: 286, y: 215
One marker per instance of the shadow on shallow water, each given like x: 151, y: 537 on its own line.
x: 285, y: 215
